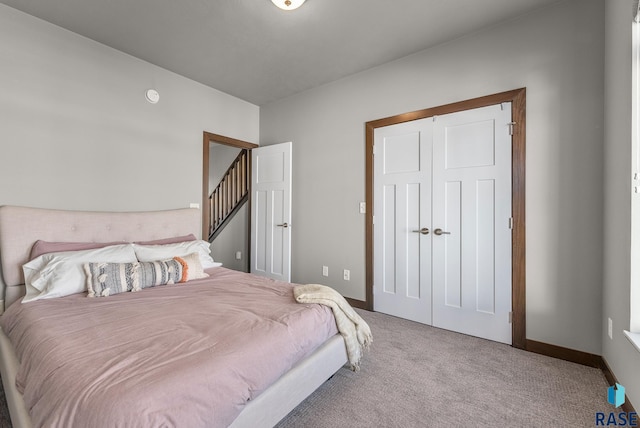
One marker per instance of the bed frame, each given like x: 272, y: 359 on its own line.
x: 21, y: 227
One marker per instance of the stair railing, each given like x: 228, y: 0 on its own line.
x: 230, y: 193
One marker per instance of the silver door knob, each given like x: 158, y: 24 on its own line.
x: 439, y: 232
x: 285, y: 225
x: 424, y: 231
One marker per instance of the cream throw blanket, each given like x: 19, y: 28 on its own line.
x: 354, y: 330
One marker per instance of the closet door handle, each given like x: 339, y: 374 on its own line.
x: 439, y: 232
x: 424, y: 231
x: 285, y: 225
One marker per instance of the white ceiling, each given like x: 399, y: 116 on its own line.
x: 259, y: 53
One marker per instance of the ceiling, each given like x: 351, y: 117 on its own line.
x: 259, y: 53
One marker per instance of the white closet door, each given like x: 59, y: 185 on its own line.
x: 472, y: 208
x: 449, y: 176
x: 402, y: 198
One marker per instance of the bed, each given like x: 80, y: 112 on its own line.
x: 268, y: 400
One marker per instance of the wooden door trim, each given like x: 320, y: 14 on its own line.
x: 209, y: 137
x: 517, y: 97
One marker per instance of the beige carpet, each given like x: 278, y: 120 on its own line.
x: 419, y: 376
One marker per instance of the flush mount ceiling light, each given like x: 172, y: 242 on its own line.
x: 288, y: 4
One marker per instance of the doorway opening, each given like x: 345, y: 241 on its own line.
x: 517, y: 98
x: 224, y: 156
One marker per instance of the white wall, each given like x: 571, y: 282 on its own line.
x: 557, y: 54
x: 623, y: 359
x: 77, y: 133
x: 233, y: 238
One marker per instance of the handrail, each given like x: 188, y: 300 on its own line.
x: 230, y: 192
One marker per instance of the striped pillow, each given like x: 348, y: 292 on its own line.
x: 105, y: 279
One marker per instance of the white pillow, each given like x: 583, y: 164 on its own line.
x: 151, y: 253
x: 61, y: 274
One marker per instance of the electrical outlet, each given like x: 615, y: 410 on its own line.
x: 347, y: 274
x: 325, y: 270
x: 194, y: 205
x: 238, y: 255
x: 610, y: 329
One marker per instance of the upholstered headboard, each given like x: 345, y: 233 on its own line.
x: 21, y: 227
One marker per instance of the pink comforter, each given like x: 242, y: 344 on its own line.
x: 187, y: 355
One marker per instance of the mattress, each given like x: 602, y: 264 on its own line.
x: 191, y: 355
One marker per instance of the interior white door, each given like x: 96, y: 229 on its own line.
x: 442, y: 210
x: 271, y: 211
x: 402, y: 198
x: 472, y: 208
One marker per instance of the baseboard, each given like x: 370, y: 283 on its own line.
x: 356, y: 303
x: 579, y: 357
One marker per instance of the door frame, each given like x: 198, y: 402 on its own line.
x: 207, y: 138
x: 517, y: 97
